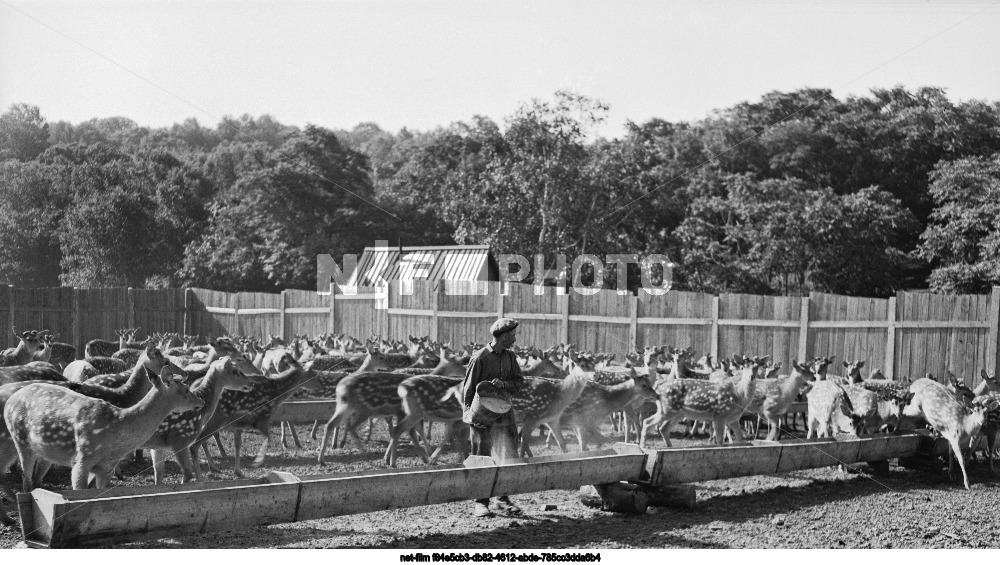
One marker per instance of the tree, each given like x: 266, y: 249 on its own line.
x: 30, y: 211
x: 265, y: 233
x: 23, y: 133
x: 962, y: 239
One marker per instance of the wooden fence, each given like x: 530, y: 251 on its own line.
x: 906, y: 336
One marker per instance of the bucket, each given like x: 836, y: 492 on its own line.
x: 488, y: 405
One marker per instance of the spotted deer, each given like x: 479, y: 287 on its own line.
x: 28, y: 344
x: 50, y: 423
x: 34, y: 371
x: 544, y: 401
x: 252, y: 410
x: 721, y: 403
x: 955, y: 420
x: 829, y: 410
x: 773, y: 398
x: 597, y: 402
x: 359, y: 397
x: 105, y: 348
x: 179, y: 430
x: 123, y: 397
x: 426, y: 397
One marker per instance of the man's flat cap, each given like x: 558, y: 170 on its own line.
x: 503, y: 325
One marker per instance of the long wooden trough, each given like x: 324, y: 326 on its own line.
x: 94, y: 517
x: 100, y: 517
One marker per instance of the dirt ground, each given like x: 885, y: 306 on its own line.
x: 820, y: 508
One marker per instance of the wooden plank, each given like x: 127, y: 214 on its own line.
x: 355, y: 493
x: 187, y: 311
x: 219, y: 310
x: 715, y: 328
x: 332, y: 322
x: 131, y: 307
x: 455, y: 314
x: 633, y: 328
x: 316, y: 310
x: 212, y: 507
x: 281, y: 327
x: 702, y: 463
x: 566, y: 471
x: 678, y: 321
x: 535, y: 316
x: 564, y: 328
x: 994, y: 331
x: 304, y: 411
x: 602, y: 319
x: 890, y: 341
x: 803, y: 346
x: 411, y: 312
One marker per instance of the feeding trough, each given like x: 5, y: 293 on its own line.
x: 95, y: 517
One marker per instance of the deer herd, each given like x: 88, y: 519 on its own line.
x: 170, y: 396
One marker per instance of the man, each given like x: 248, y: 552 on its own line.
x: 497, y: 364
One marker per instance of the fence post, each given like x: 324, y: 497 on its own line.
x: 187, y: 312
x: 281, y: 324
x: 130, y: 299
x: 435, y: 291
x: 500, y: 299
x: 803, y: 330
x: 236, y: 314
x: 633, y: 325
x: 994, y: 332
x: 564, y: 328
x: 890, y: 343
x: 77, y: 338
x: 333, y: 308
x: 715, y: 328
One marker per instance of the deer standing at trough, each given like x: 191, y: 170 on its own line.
x: 57, y: 425
x: 955, y: 420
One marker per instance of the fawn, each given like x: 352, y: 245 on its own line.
x: 720, y: 402
x: 955, y: 420
x: 54, y: 424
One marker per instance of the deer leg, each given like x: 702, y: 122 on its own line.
x: 159, y: 458
x: 265, y: 429
x: 294, y: 434
x: 447, y: 437
x: 957, y: 450
x: 80, y: 474
x: 208, y: 457
x: 188, y: 456
x: 341, y: 414
x: 218, y: 443
x: 41, y: 468
x: 237, y: 447
x: 312, y: 432
x: 991, y: 440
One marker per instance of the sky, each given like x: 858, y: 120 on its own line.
x: 421, y: 64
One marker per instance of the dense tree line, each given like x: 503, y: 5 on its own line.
x: 793, y: 193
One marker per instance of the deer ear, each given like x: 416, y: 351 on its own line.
x: 861, y: 364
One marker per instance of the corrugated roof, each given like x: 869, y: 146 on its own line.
x: 454, y: 262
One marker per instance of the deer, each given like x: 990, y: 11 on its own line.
x: 28, y: 344
x: 123, y: 397
x: 50, y: 423
x: 597, y: 402
x: 361, y: 396
x: 830, y: 410
x: 179, y: 430
x: 426, y: 397
x: 955, y: 420
x: 105, y: 348
x: 543, y: 401
x: 34, y: 371
x: 62, y: 353
x: 241, y: 411
x: 773, y: 398
x: 721, y: 403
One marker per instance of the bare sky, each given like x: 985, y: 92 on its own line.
x: 421, y: 64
